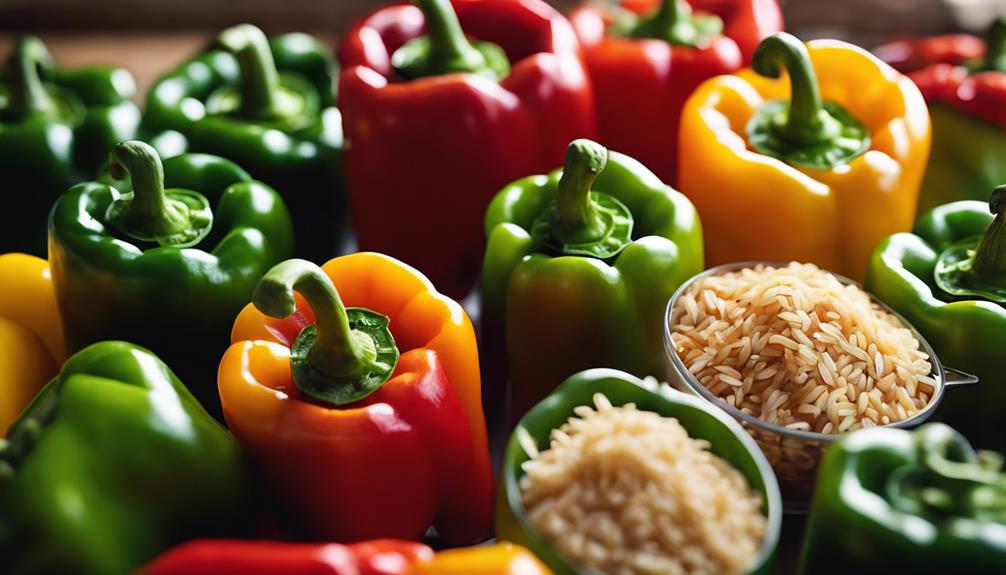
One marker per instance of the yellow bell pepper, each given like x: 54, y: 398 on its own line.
x: 815, y: 154
x: 31, y: 336
x: 499, y: 559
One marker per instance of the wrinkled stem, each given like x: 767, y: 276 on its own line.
x: 28, y: 95
x: 578, y: 219
x: 990, y: 255
x: 259, y: 83
x: 806, y: 121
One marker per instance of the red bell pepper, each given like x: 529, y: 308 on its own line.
x: 436, y: 125
x: 237, y: 557
x: 648, y: 56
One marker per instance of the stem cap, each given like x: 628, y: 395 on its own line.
x: 673, y: 22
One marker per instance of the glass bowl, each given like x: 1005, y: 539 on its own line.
x: 795, y: 454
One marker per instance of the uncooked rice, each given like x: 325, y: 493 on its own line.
x: 628, y: 492
x: 796, y: 347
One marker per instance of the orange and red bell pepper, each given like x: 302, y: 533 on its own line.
x: 646, y: 57
x: 357, y: 441
x: 31, y: 336
x: 437, y: 124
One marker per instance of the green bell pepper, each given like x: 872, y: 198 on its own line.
x: 578, y: 269
x: 894, y: 501
x: 113, y: 463
x: 269, y: 106
x: 56, y: 128
x: 725, y: 435
x: 967, y: 332
x: 153, y: 267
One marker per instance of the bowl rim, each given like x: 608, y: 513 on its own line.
x: 938, y: 372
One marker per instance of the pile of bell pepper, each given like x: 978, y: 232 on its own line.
x: 197, y: 376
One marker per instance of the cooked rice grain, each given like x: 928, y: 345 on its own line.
x: 824, y: 357
x: 628, y: 492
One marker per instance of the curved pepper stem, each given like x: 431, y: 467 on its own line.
x: 806, y: 121
x: 950, y: 479
x: 445, y: 49
x: 804, y: 131
x: 259, y: 85
x: 578, y: 219
x: 28, y: 96
x: 177, y: 218
x: 990, y: 253
x: 995, y: 46
x: 674, y: 23
x: 346, y: 354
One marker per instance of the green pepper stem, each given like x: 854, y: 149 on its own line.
x: 339, y: 351
x: 148, y: 209
x: 806, y: 121
x: 578, y: 219
x: 990, y: 255
x: 450, y: 49
x: 28, y: 95
x: 259, y: 84
x: 668, y: 13
x: 995, y: 46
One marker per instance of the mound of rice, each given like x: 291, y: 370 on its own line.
x: 628, y: 492
x: 795, y: 347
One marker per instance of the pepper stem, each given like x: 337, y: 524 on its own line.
x: 806, y: 121
x: 674, y: 22
x: 180, y: 219
x: 990, y: 255
x: 339, y: 351
x: 578, y: 220
x: 995, y: 46
x: 28, y: 95
x: 259, y: 84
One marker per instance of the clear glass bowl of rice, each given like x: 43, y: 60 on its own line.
x: 799, y: 356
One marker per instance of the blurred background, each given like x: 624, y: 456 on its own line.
x: 151, y: 36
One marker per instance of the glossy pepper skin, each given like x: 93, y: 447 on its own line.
x: 113, y: 463
x: 56, y: 128
x: 232, y: 102
x: 31, y: 336
x: 410, y: 454
x: 870, y: 516
x: 241, y: 557
x: 499, y: 559
x: 968, y: 334
x: 641, y: 83
x: 177, y: 301
x: 965, y: 87
x: 727, y: 438
x: 758, y: 207
x: 426, y: 155
x: 549, y: 314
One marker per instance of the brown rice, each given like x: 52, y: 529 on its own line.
x: 796, y: 347
x: 628, y: 492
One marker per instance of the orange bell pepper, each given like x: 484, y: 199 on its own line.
x: 31, y: 336
x: 835, y: 165
x: 499, y: 559
x: 354, y: 450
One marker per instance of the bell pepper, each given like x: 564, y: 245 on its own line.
x: 437, y: 124
x: 578, y: 269
x: 237, y: 557
x: 894, y: 501
x: 702, y: 420
x: 367, y: 421
x: 269, y: 106
x: 818, y: 167
x: 951, y: 288
x: 151, y: 266
x: 965, y: 86
x: 646, y: 58
x: 379, y: 557
x: 31, y: 337
x: 56, y: 127
x: 113, y: 463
